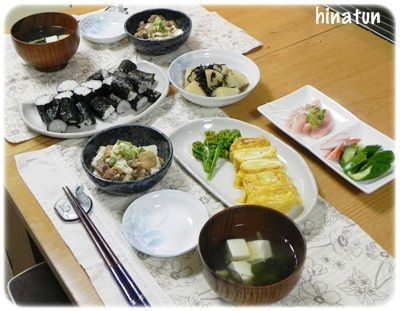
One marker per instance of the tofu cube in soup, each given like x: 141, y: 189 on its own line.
x: 237, y: 249
x: 241, y: 271
x: 259, y: 250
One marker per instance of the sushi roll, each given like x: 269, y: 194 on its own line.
x: 126, y: 65
x: 67, y: 85
x: 107, y: 86
x: 47, y: 108
x: 102, y: 107
x: 120, y: 75
x: 152, y: 95
x: 82, y: 94
x: 57, y: 125
x: 145, y: 76
x: 121, y: 87
x: 138, y: 84
x: 139, y: 103
x: 95, y: 85
x: 88, y: 116
x: 99, y: 75
x: 120, y: 105
x: 67, y: 111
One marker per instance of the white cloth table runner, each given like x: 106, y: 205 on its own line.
x: 344, y: 266
x: 23, y: 83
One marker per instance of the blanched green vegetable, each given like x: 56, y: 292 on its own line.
x: 214, y: 146
x: 355, y: 163
x: 348, y: 153
x: 371, y: 149
x: 370, y: 172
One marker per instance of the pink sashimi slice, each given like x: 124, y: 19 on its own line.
x: 299, y: 123
x: 322, y: 130
x: 306, y: 129
x: 340, y: 136
x: 325, y: 153
x: 329, y: 145
x: 328, y: 116
x: 336, y: 153
x: 352, y: 141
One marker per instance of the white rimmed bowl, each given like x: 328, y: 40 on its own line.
x: 164, y: 223
x: 245, y: 65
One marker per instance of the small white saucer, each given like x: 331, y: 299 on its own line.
x: 104, y: 27
x: 164, y: 223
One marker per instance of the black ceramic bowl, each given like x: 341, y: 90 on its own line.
x: 158, y: 47
x: 139, y: 135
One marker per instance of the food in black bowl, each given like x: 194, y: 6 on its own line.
x: 158, y: 31
x: 127, y: 159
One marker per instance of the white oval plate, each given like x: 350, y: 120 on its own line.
x: 164, y: 223
x: 233, y: 60
x: 104, y: 27
x: 34, y: 122
x: 344, y: 121
x: 221, y: 185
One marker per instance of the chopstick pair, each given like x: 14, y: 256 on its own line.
x: 128, y: 287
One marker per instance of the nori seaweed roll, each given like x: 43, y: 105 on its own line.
x: 47, y: 108
x: 67, y: 111
x: 102, y: 107
x: 120, y: 105
x: 95, y: 85
x: 139, y: 103
x: 126, y: 65
x: 99, y: 75
x: 107, y: 85
x: 152, y: 95
x: 138, y: 84
x: 145, y: 76
x: 82, y: 94
x: 88, y: 116
x: 58, y: 126
x: 121, y: 87
x: 67, y: 85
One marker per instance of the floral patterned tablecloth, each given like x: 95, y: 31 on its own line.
x: 23, y: 83
x: 344, y: 266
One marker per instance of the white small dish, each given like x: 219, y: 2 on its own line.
x: 221, y: 185
x: 245, y: 65
x: 164, y: 223
x: 32, y: 119
x: 344, y: 122
x: 104, y: 27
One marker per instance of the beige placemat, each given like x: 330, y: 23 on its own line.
x: 23, y: 83
x: 344, y: 266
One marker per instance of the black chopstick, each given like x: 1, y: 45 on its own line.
x: 129, y: 288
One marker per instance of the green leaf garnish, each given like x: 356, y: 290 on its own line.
x: 315, y: 116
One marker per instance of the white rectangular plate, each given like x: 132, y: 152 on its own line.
x: 221, y: 185
x: 344, y: 121
x: 32, y: 119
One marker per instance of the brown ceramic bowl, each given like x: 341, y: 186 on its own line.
x: 46, y: 56
x: 244, y: 221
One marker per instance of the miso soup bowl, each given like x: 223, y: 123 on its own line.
x: 51, y: 56
x: 243, y: 221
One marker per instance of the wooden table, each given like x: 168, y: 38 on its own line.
x: 348, y: 63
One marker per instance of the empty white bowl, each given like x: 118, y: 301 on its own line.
x: 245, y: 65
x: 164, y: 223
x: 104, y: 27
